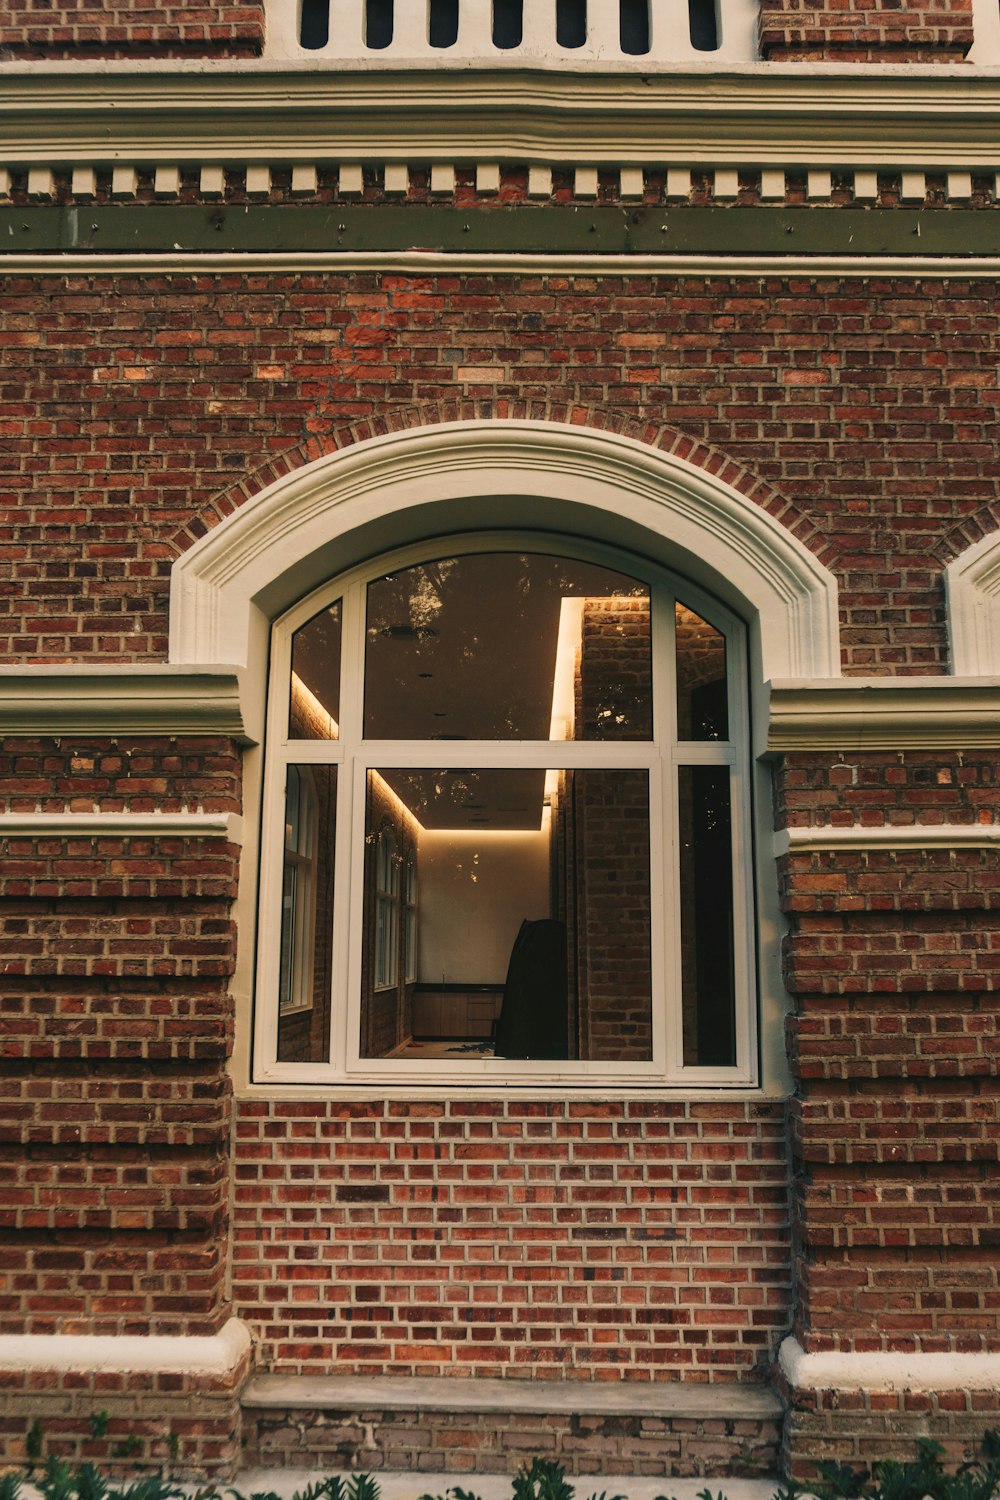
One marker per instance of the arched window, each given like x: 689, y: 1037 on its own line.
x: 549, y: 740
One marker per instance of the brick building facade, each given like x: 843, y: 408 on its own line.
x: 295, y: 307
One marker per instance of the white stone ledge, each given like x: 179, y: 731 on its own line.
x: 126, y: 825
x: 154, y: 698
x: 888, y: 836
x: 655, y: 1398
x: 884, y: 713
x: 162, y: 1354
x: 887, y: 1372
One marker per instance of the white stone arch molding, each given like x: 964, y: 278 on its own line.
x: 350, y: 505
x: 972, y: 592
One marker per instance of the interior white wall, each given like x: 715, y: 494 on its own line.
x: 475, y: 891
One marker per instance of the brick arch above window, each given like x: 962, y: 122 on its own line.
x: 399, y: 419
x: 314, y: 521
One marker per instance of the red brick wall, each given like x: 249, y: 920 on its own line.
x: 119, y: 428
x: 581, y: 1239
x: 131, y: 28
x: 114, y: 1101
x: 570, y: 1239
x: 893, y: 960
x: 865, y: 31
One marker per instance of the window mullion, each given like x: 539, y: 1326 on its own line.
x: 350, y: 834
x: 663, y: 829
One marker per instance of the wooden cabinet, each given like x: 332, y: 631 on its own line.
x: 456, y: 1011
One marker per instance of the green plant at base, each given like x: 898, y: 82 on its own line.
x: 33, y: 1443
x: 543, y: 1479
x: 923, y: 1479
x: 129, y: 1446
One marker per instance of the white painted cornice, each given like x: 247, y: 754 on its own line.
x: 121, y: 699
x: 755, y: 115
x: 198, y: 1355
x: 884, y: 713
x: 887, y: 836
x: 127, y: 825
x: 849, y: 1371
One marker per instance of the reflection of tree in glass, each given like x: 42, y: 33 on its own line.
x: 465, y: 647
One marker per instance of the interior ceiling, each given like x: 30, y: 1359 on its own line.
x: 481, y: 799
x: 465, y: 648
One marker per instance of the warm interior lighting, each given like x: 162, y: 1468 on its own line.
x: 568, y: 644
x: 317, y: 710
x: 396, y: 800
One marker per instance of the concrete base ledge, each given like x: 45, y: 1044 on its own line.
x: 663, y: 1399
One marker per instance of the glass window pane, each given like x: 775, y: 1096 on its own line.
x: 706, y: 875
x: 531, y: 930
x: 702, y: 687
x: 314, y: 702
x: 307, y: 914
x: 508, y: 646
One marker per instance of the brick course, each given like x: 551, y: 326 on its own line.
x: 189, y: 1424
x: 574, y: 1239
x: 865, y: 31
x: 115, y: 1027
x: 136, y: 28
x: 892, y: 961
x: 472, y: 1442
x: 836, y: 404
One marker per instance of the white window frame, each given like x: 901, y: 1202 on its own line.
x: 386, y: 955
x: 410, y: 928
x: 299, y: 861
x: 662, y: 756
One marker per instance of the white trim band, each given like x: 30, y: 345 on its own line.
x: 215, y: 1354
x: 430, y: 262
x: 123, y: 825
x: 887, y: 836
x: 887, y: 1372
